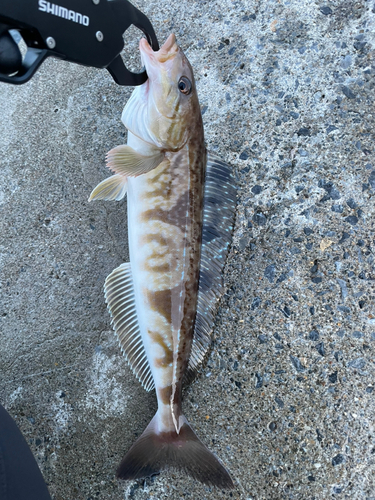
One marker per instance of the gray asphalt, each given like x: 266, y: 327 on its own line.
x: 287, y: 398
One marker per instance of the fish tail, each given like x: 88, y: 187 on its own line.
x: 155, y: 451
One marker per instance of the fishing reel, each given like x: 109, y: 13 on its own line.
x: 86, y: 32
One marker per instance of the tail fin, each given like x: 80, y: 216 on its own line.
x: 153, y: 452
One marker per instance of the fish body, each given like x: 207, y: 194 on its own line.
x: 163, y: 302
x: 164, y: 244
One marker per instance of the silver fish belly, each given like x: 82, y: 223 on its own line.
x: 181, y: 204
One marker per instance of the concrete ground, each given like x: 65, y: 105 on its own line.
x: 287, y: 398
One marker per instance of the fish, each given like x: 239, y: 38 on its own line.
x: 180, y: 206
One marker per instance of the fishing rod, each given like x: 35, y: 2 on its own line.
x: 86, y: 32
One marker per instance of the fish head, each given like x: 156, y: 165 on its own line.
x: 164, y: 111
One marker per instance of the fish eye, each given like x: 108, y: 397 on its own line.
x: 184, y: 85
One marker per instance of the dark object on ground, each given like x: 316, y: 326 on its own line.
x: 20, y: 477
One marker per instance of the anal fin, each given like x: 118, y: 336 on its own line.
x: 119, y: 296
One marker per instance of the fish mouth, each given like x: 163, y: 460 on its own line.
x: 167, y: 51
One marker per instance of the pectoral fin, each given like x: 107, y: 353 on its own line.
x: 113, y: 188
x: 126, y: 161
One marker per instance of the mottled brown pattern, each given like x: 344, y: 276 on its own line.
x: 161, y: 302
x: 157, y: 238
x: 167, y: 359
x: 176, y: 216
x: 159, y: 181
x: 156, y: 255
x: 167, y: 182
x: 163, y: 191
x: 197, y: 163
x: 162, y: 268
x: 154, y: 214
x: 165, y: 394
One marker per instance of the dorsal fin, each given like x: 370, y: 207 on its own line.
x: 119, y: 295
x: 218, y: 220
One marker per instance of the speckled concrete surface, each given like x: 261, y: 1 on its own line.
x: 287, y: 398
